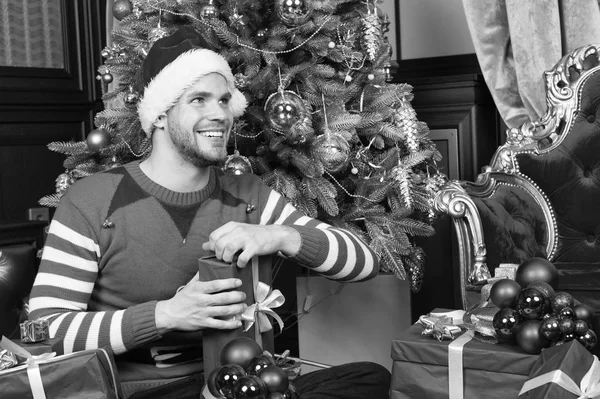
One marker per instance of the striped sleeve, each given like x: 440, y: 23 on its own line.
x: 64, y: 284
x: 332, y: 252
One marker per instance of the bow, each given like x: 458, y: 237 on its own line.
x: 266, y: 300
x: 588, y: 388
x: 439, y: 327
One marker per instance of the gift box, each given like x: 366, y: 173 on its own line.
x: 421, y: 367
x: 47, y: 346
x: 564, y: 371
x: 256, y: 278
x: 85, y: 374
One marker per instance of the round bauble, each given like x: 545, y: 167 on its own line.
x: 584, y: 312
x: 543, y: 287
x: 549, y: 329
x: 532, y: 304
x: 226, y: 378
x: 293, y: 12
x: 121, y: 9
x: 535, y: 270
x: 274, y: 378
x: 211, y: 383
x: 237, y: 164
x: 209, y: 11
x: 240, y: 351
x: 581, y: 327
x: 258, y: 363
x: 332, y: 150
x: 529, y: 338
x: 504, y: 293
x: 589, y: 339
x: 249, y: 387
x: 283, y: 109
x: 568, y: 337
x: 566, y: 326
x: 566, y: 313
x: 561, y: 300
x: 505, y: 322
x: 107, y: 77
x: 97, y: 139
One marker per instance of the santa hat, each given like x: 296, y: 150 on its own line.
x: 175, y: 63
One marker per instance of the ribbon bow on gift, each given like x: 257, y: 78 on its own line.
x: 266, y: 300
x: 439, y: 326
x: 588, y: 388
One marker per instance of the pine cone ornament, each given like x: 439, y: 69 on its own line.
x: 415, y: 267
x: 371, y: 39
x: 406, y: 117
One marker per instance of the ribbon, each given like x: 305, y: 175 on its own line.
x: 588, y: 388
x: 479, y: 318
x: 33, y: 369
x: 266, y: 300
x: 455, y: 365
x: 439, y: 326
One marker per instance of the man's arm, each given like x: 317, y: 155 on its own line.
x: 63, y: 286
x: 332, y: 252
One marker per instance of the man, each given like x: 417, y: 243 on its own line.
x: 119, y: 264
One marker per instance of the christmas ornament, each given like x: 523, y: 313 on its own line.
x: 543, y: 287
x: 237, y: 164
x: 505, y: 322
x: 566, y: 313
x: 262, y: 34
x: 157, y: 33
x: 549, y: 329
x: 226, y: 378
x: 258, y: 363
x: 371, y: 29
x: 105, y: 53
x: 331, y: 44
x: 121, y: 9
x: 584, y: 312
x: 209, y: 11
x: 406, y: 118
x: 293, y: 12
x: 332, y: 150
x: 566, y: 326
x: 212, y: 385
x: 581, y: 327
x: 249, y: 387
x: 529, y: 338
x: 131, y: 97
x: 561, y: 300
x: 236, y: 20
x: 504, y: 293
x: 532, y: 304
x: 240, y: 351
x: 589, y: 339
x: 107, y: 77
x: 537, y: 269
x: 283, y: 109
x: 416, y: 269
x: 63, y: 182
x: 276, y: 395
x: 97, y: 139
x: 274, y: 378
x: 568, y: 337
x: 370, y: 76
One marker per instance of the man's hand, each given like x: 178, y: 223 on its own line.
x: 250, y: 240
x: 201, y: 305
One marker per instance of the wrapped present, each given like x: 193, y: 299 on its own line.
x: 259, y: 298
x: 564, y: 371
x: 7, y: 359
x: 85, y: 374
x: 506, y: 270
x: 461, y: 368
x: 34, y: 331
x: 47, y: 346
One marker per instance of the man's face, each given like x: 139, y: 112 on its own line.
x: 200, y: 122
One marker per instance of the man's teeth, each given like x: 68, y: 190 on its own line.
x: 212, y: 134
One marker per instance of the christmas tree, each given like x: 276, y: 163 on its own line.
x: 323, y: 127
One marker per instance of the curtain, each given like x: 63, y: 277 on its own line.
x: 517, y: 40
x: 31, y: 33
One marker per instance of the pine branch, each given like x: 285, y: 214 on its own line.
x: 69, y: 148
x: 50, y: 201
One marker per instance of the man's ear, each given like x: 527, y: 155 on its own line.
x: 160, y: 121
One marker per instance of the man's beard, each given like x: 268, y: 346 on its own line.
x: 187, y: 147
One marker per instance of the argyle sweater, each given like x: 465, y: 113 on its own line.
x: 119, y: 242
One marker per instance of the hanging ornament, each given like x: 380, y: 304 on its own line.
x: 157, y: 33
x: 293, y: 12
x: 249, y: 387
x: 283, y: 109
x: 106, y: 77
x: 63, y: 182
x: 237, y: 164
x: 106, y: 53
x: 371, y: 28
x: 131, y: 97
x: 209, y: 11
x: 236, y: 20
x: 261, y: 34
x: 240, y: 80
x: 406, y: 117
x: 387, y: 71
x: 97, y: 139
x: 332, y: 150
x: 121, y: 9
x: 416, y: 270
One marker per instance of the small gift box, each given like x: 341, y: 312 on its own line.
x: 34, y: 331
x: 85, y: 374
x: 564, y: 371
x: 259, y: 298
x: 47, y: 346
x: 462, y: 367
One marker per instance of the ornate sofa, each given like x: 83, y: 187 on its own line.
x: 540, y: 194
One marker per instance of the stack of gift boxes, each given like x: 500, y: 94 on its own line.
x: 523, y: 340
x: 35, y: 367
